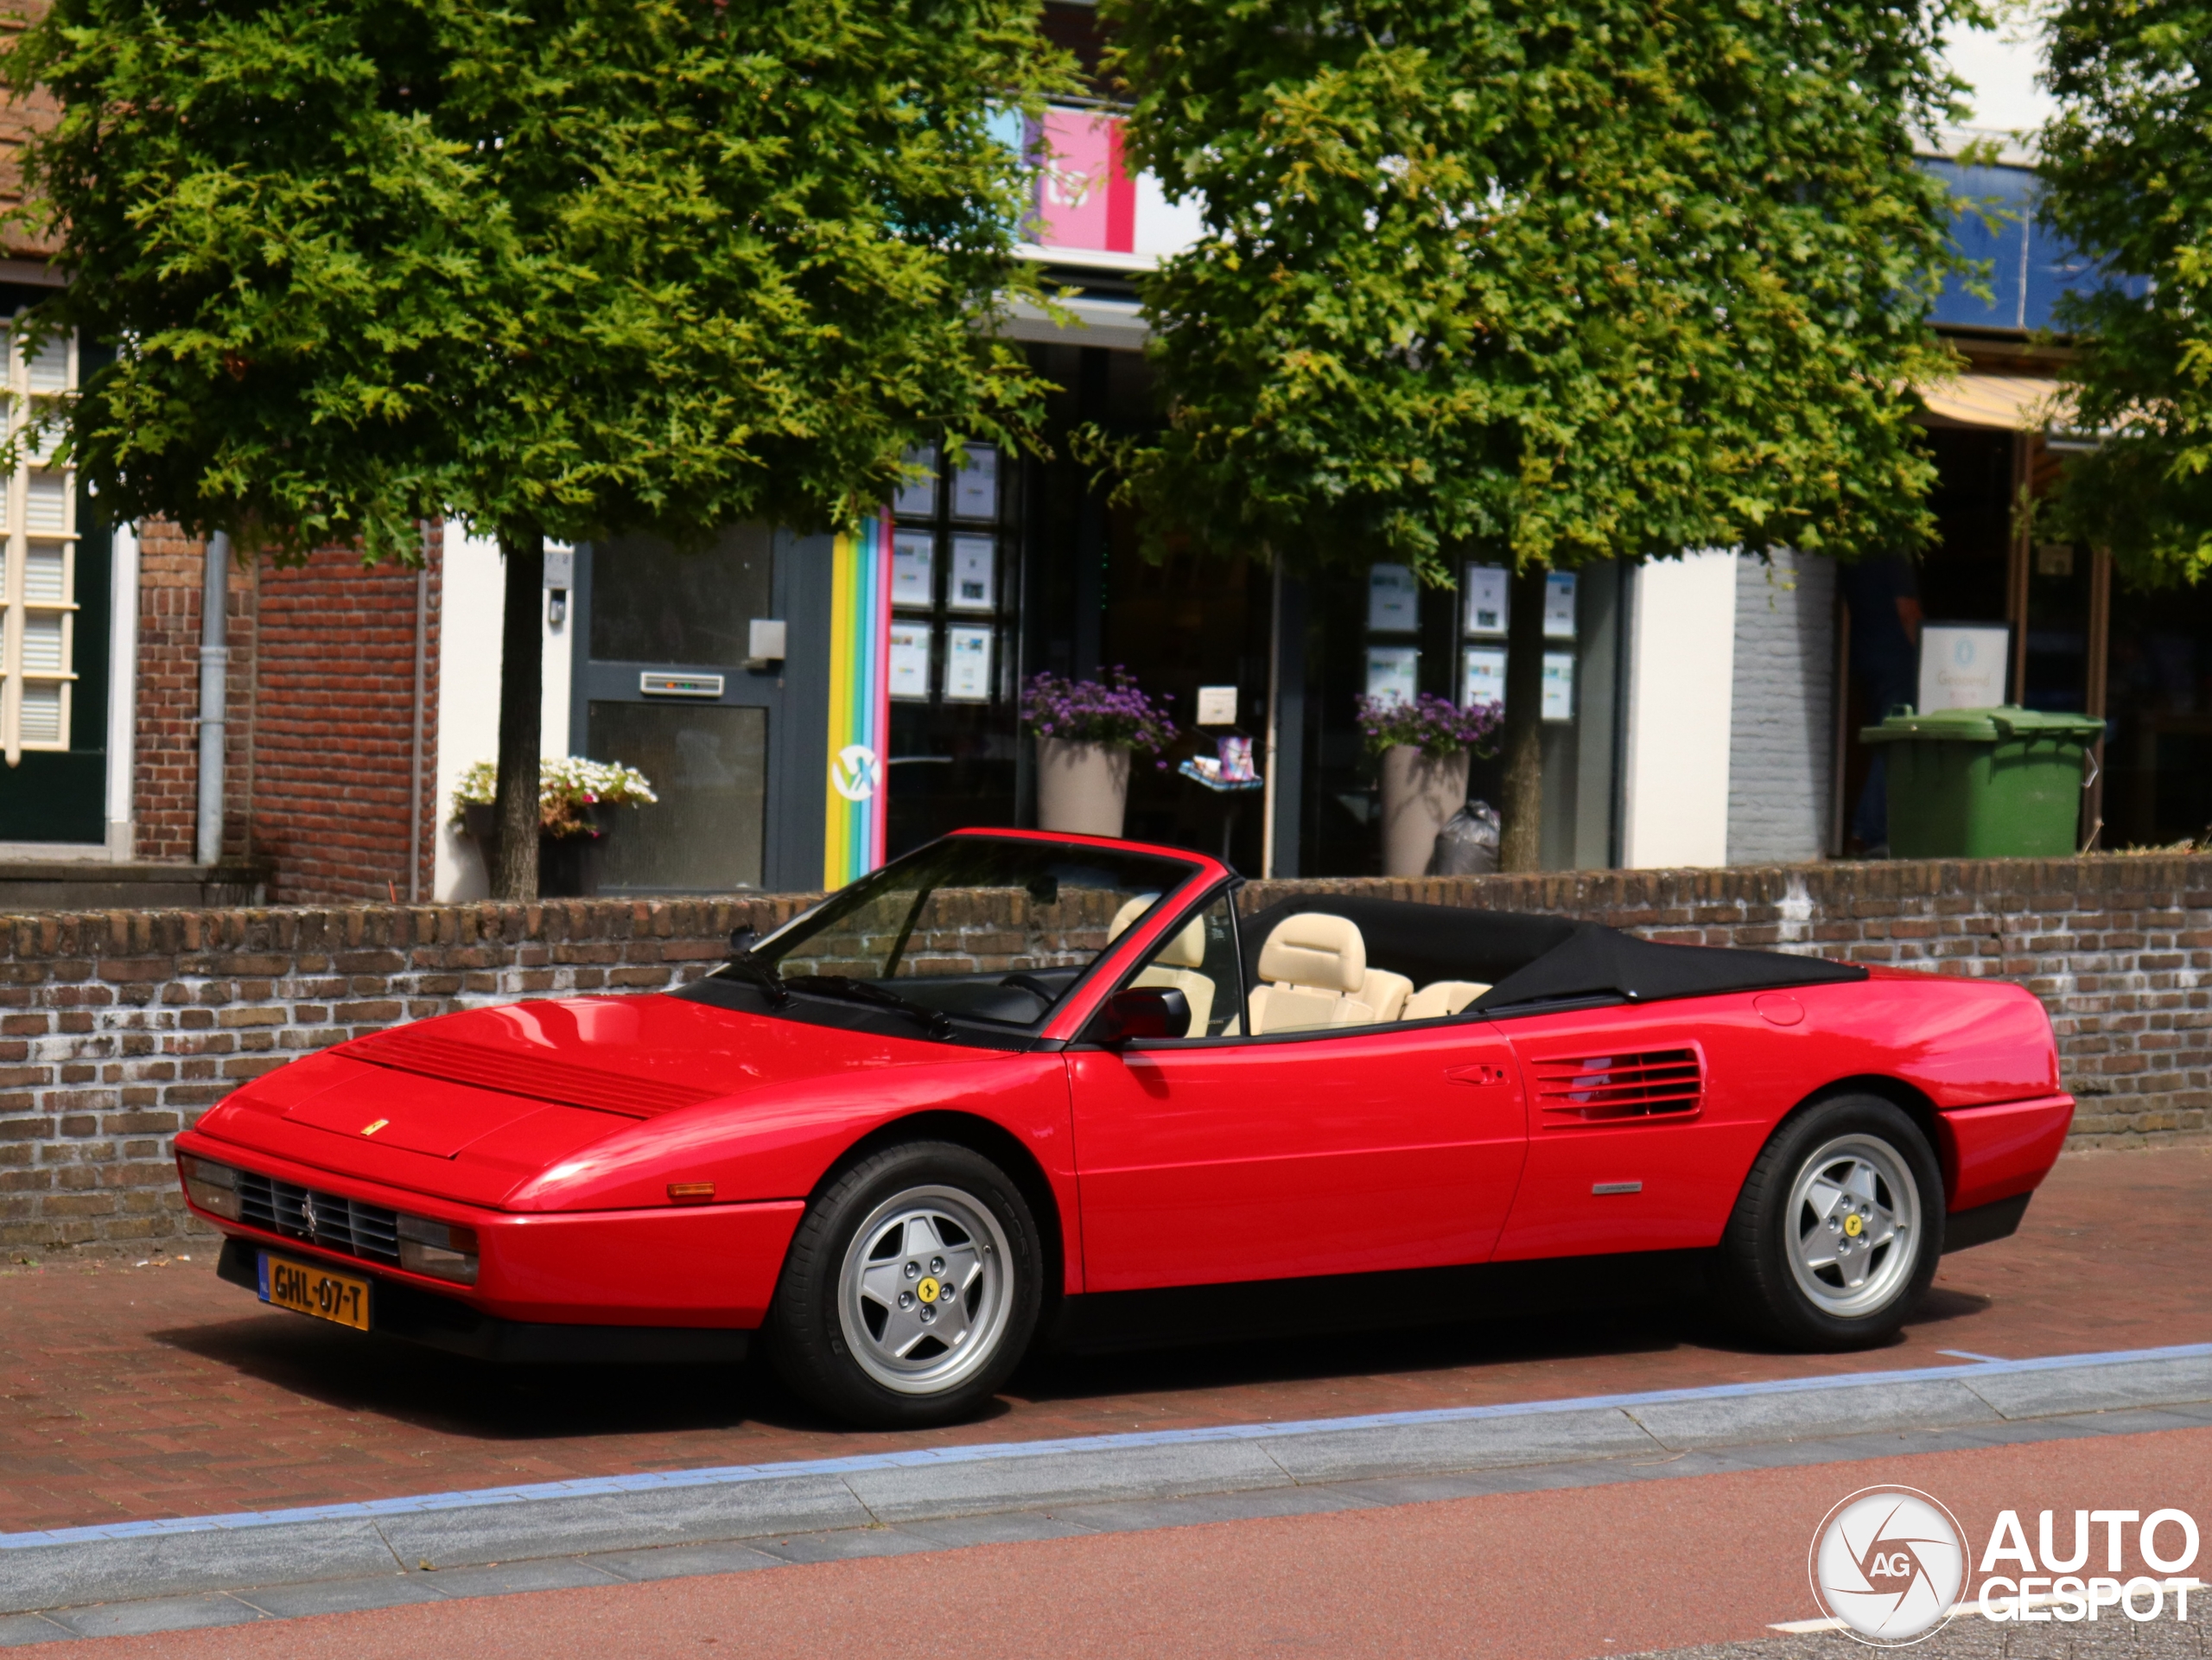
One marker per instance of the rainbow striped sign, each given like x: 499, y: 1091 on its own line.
x: 860, y: 704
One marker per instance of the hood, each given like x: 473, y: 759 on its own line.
x: 469, y: 1106
x: 638, y: 1057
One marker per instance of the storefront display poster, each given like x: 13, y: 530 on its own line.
x: 1558, y: 607
x: 1393, y: 600
x: 976, y: 486
x: 975, y: 562
x: 913, y: 568
x: 1482, y: 684
x: 916, y: 497
x: 1483, y: 587
x: 1392, y: 673
x: 910, y: 661
x: 1559, y: 685
x: 967, y: 665
x: 1962, y: 665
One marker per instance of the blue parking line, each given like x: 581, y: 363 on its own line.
x: 664, y: 1480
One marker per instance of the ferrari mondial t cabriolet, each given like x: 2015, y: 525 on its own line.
x: 1017, y: 1084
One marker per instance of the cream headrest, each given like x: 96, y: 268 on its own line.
x: 1315, y: 949
x: 1128, y: 913
x: 1187, y: 949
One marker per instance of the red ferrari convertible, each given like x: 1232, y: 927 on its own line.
x: 1018, y: 1083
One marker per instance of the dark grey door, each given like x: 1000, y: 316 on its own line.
x: 665, y: 682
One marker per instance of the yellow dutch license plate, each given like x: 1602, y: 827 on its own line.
x: 306, y: 1290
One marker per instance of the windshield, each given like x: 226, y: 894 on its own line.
x: 969, y: 927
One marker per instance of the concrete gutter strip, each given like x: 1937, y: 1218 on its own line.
x: 75, y: 1566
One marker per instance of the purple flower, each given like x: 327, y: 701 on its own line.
x: 1092, y: 711
x: 1435, y: 725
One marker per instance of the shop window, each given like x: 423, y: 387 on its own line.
x: 38, y: 560
x: 2156, y: 784
x: 952, y: 663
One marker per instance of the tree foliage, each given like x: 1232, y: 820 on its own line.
x: 2127, y: 174
x: 564, y: 267
x: 1562, y: 279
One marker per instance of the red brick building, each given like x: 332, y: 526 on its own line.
x: 331, y: 736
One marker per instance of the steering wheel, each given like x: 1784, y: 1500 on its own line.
x: 1033, y: 986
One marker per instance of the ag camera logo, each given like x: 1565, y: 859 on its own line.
x: 1888, y: 1562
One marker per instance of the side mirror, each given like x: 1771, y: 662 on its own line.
x: 1142, y: 1012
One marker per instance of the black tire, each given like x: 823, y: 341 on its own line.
x: 1769, y: 1279
x: 833, y: 1338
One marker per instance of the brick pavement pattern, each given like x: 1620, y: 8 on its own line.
x: 133, y: 1392
x: 117, y: 1029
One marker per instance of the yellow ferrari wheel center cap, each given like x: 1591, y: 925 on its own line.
x: 1852, y: 1225
x: 929, y: 1288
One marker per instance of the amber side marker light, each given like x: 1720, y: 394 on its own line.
x: 690, y: 1193
x: 444, y: 1250
x: 213, y: 1188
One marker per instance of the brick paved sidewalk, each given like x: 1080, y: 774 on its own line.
x: 156, y: 1390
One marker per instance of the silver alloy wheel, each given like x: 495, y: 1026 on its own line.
x: 924, y: 1296
x: 1854, y: 1226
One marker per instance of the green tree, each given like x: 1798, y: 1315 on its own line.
x: 560, y: 271
x: 1539, y: 284
x: 2127, y: 174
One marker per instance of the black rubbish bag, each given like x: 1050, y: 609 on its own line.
x: 1467, y: 845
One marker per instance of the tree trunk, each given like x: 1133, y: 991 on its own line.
x: 522, y: 672
x: 1522, y: 813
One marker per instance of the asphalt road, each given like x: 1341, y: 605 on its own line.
x: 1663, y: 1566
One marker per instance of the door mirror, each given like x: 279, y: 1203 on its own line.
x: 1141, y: 1012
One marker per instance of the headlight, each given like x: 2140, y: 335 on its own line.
x: 444, y: 1250
x: 212, y: 1187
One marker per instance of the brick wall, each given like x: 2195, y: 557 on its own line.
x: 334, y: 729
x: 320, y: 728
x: 117, y: 1029
x: 165, y: 808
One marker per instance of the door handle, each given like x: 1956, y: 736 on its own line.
x: 1483, y: 1075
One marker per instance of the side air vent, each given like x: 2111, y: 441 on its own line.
x: 1603, y: 1089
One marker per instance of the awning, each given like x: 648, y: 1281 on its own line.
x: 2013, y: 403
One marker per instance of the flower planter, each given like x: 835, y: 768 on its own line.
x: 568, y: 866
x: 1082, y: 789
x: 1419, y: 793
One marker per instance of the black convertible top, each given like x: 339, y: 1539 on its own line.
x: 1529, y: 959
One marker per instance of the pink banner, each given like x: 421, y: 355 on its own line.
x: 1085, y: 197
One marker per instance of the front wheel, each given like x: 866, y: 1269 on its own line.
x: 911, y: 1289
x: 1837, y: 1232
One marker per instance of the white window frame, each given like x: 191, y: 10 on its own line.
x: 16, y: 607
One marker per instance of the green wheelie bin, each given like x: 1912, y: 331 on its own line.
x: 2001, y: 783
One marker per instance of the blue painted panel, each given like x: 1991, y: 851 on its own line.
x: 1990, y: 224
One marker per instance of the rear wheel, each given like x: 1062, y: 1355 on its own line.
x: 1837, y: 1232
x: 911, y: 1289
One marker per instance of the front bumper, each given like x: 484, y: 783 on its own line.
x: 402, y: 1311
x: 694, y: 1266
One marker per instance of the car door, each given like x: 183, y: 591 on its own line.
x: 1643, y: 1121
x: 1215, y: 1160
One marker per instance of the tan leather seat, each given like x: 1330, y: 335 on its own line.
x: 1314, y: 965
x: 1385, y: 993
x: 1175, y: 964
x: 1442, y: 997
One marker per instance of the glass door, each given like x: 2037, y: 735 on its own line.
x: 667, y: 683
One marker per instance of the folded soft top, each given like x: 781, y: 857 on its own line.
x: 1528, y: 959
